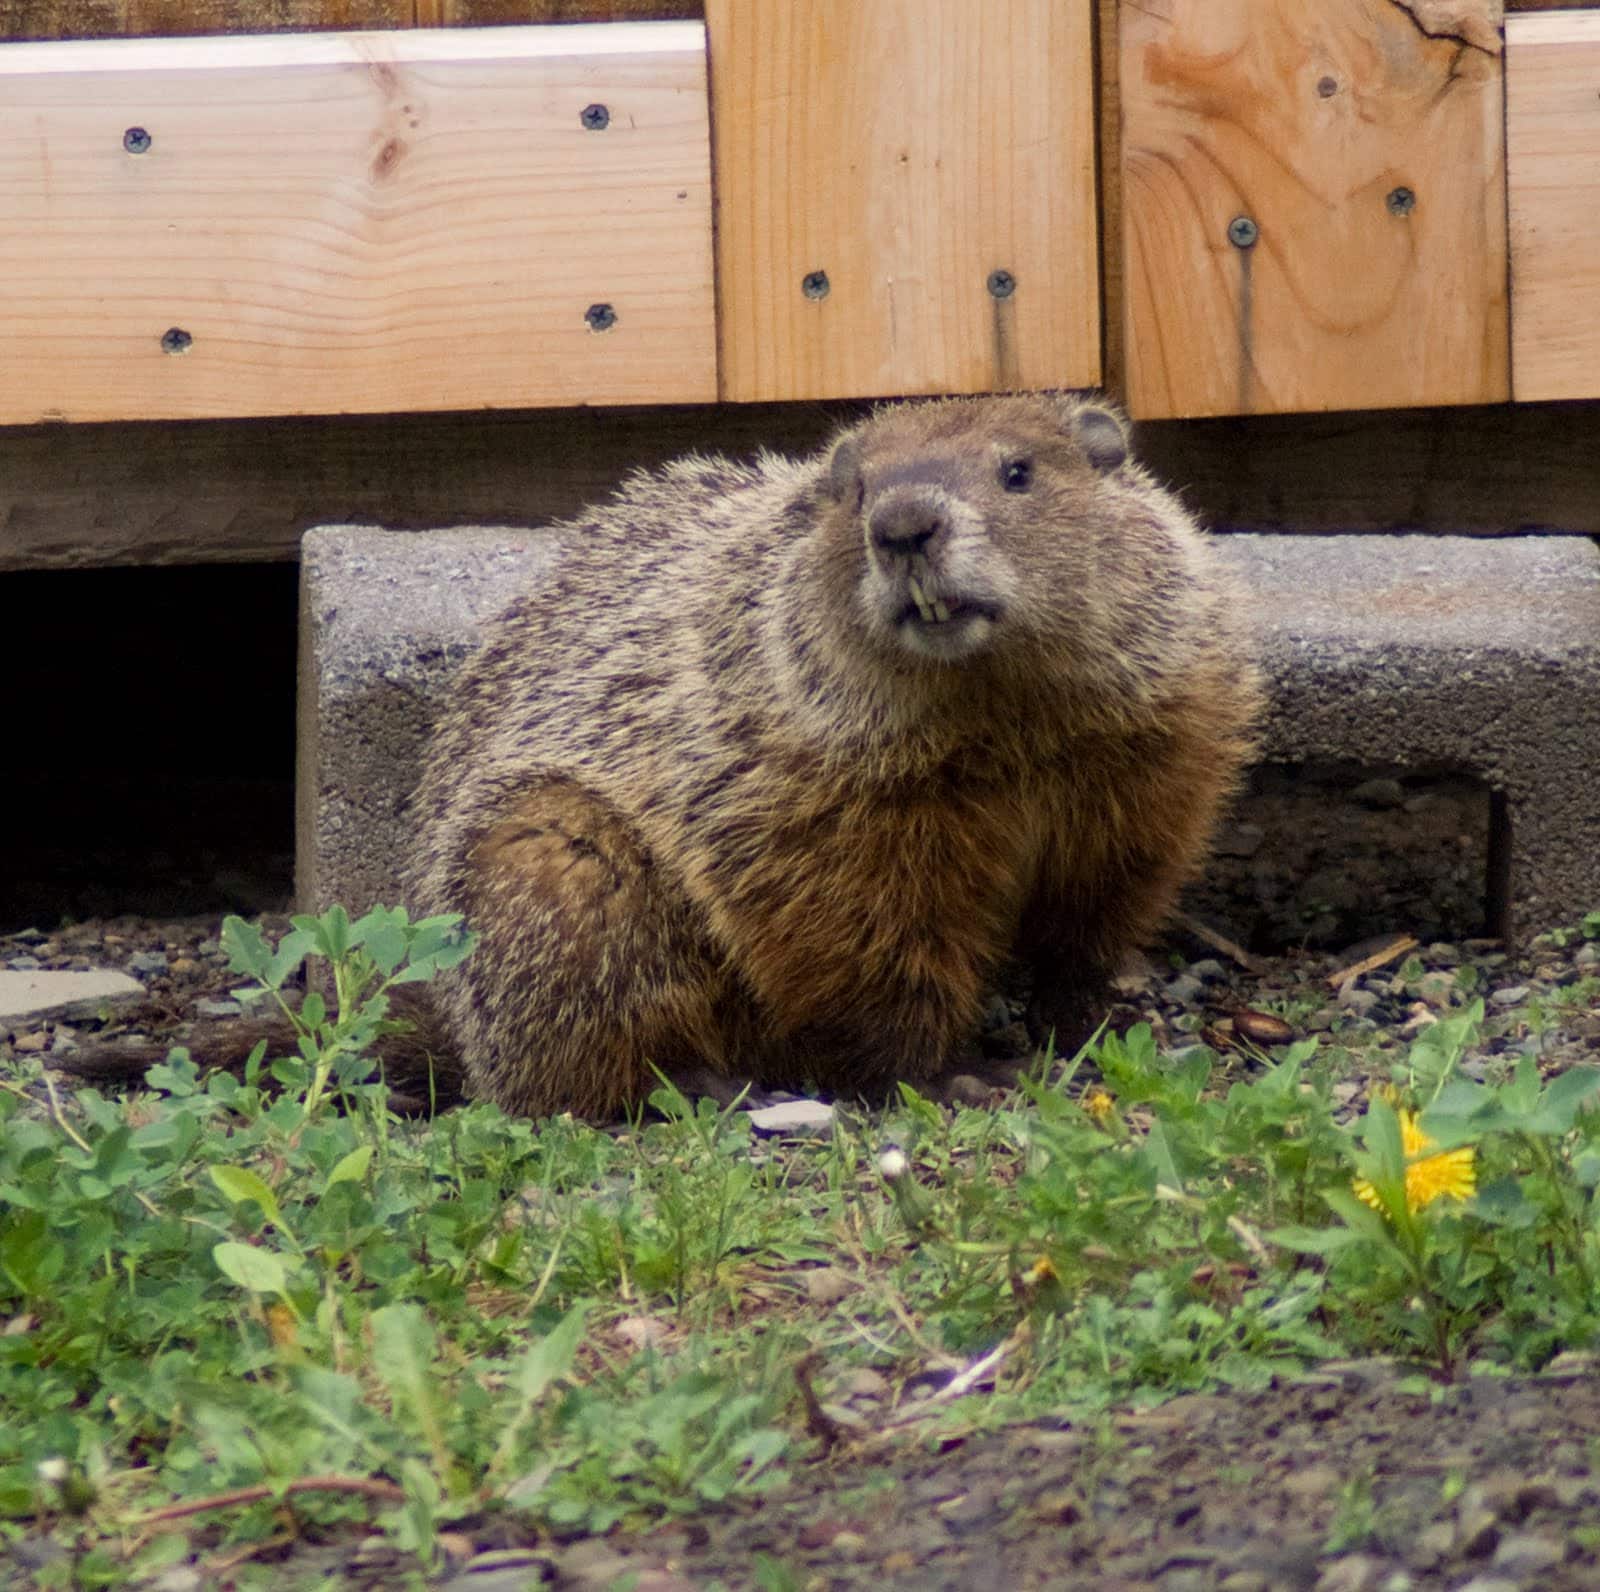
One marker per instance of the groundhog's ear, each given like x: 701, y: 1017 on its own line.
x: 844, y: 472
x: 1103, y: 436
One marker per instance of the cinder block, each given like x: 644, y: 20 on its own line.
x: 1480, y: 655
x: 1423, y: 653
x: 385, y: 619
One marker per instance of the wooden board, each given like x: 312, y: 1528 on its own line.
x: 98, y: 19
x: 355, y: 222
x: 1553, y: 156
x: 1369, y: 156
x: 907, y: 149
x: 244, y: 490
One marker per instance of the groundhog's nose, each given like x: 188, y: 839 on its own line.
x: 903, y: 524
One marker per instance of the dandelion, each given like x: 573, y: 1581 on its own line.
x: 1099, y: 1105
x: 1448, y: 1175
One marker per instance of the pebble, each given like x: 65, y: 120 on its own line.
x: 1183, y: 989
x: 1586, y: 955
x: 1357, y: 1000
x: 1437, y: 989
x: 1208, y: 969
x: 827, y: 1285
x: 1526, y: 1554
x: 24, y: 964
x: 865, y: 1383
x: 217, y: 1008
x: 1352, y: 1572
x: 1379, y: 793
x: 805, y: 1118
x: 1512, y: 995
x: 147, y: 962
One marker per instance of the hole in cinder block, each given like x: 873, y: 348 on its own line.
x: 149, y: 741
x: 1326, y: 855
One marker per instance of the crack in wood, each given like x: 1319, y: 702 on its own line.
x: 1474, y: 24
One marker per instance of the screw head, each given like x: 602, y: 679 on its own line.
x: 601, y: 317
x: 1243, y: 232
x: 815, y: 285
x: 1001, y: 284
x: 176, y: 341
x: 595, y: 117
x: 1401, y: 201
x: 136, y: 141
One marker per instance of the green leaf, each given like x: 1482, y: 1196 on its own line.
x: 1314, y: 1240
x: 329, y: 934
x: 383, y: 933
x: 257, y: 1270
x: 239, y: 1184
x: 402, y: 1355
x: 351, y: 1168
x: 247, y: 948
x: 544, y: 1361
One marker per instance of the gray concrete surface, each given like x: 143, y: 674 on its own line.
x: 1463, y: 653
x: 1409, y: 652
x: 385, y: 618
x: 39, y: 992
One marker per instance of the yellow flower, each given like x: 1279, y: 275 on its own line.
x: 1450, y: 1175
x: 1099, y: 1104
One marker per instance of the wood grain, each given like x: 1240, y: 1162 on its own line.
x: 245, y: 490
x: 907, y: 149
x: 355, y: 222
x: 100, y: 19
x: 1319, y: 124
x: 1553, y: 157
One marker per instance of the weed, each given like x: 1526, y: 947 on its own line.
x: 229, y: 1306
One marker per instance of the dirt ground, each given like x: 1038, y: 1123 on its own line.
x: 1360, y: 1478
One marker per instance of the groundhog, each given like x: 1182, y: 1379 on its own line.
x: 788, y: 757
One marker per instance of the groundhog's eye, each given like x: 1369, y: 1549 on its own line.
x: 1016, y: 475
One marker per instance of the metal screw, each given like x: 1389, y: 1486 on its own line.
x: 1001, y: 284
x: 1327, y: 87
x: 595, y: 117
x: 136, y: 141
x: 1401, y: 201
x: 601, y: 317
x: 815, y: 284
x: 175, y: 340
x: 1243, y: 232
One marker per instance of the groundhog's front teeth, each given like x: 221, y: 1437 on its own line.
x: 928, y: 611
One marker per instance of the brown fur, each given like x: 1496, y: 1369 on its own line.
x: 715, y: 798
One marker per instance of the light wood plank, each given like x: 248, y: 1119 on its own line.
x: 1316, y: 123
x: 355, y: 222
x: 1553, y: 154
x: 90, y: 19
x: 908, y: 149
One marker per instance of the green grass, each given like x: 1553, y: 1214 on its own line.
x: 271, y: 1283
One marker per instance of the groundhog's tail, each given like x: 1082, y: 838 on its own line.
x: 420, y: 1065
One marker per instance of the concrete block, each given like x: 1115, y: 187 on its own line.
x: 1478, y: 655
x: 1413, y: 652
x: 385, y: 618
x: 38, y: 992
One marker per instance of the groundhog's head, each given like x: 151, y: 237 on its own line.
x: 973, y: 522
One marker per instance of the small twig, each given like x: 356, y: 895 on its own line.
x: 1250, y: 1238
x: 819, y: 1422
x: 221, y: 1563
x: 962, y: 1382
x: 1348, y: 975
x: 366, y: 1487
x: 1221, y: 942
